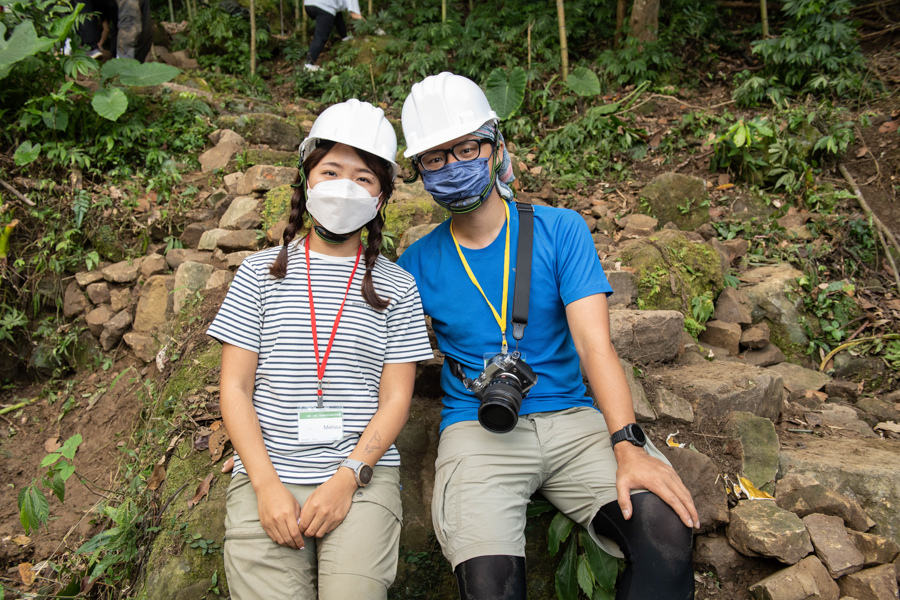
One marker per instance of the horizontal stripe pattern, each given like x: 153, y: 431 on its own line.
x: 271, y: 317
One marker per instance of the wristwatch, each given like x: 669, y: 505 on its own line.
x: 361, y: 471
x: 630, y: 433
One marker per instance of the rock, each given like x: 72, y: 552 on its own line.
x: 843, y: 417
x: 646, y: 335
x: 716, y: 388
x: 250, y: 220
x: 263, y: 178
x: 154, y: 264
x: 759, y: 448
x: 114, y: 329
x: 866, y: 470
x: 143, y: 344
x: 717, y: 555
x: 230, y: 182
x: 120, y: 299
x: 234, y: 260
x: 807, y: 580
x: 278, y: 158
x: 755, y: 337
x: 97, y: 317
x: 817, y: 498
x: 841, y: 390
x: 180, y: 59
x: 857, y: 368
x: 193, y: 233
x: 275, y: 233
x: 210, y: 239
x: 264, y: 128
x: 760, y: 527
x: 730, y: 250
x: 878, y: 583
x: 85, y: 353
x: 792, y: 482
x: 226, y: 135
x: 733, y: 306
x: 243, y: 239
x: 769, y: 355
x: 642, y: 409
x: 45, y: 361
x: 701, y: 477
x: 98, y: 292
x: 191, y: 277
x: 671, y: 406
x: 876, y: 411
x: 809, y: 398
x: 219, y: 278
x: 722, y: 335
x: 876, y: 550
x: 86, y: 278
x: 768, y: 294
x: 155, y: 307
x: 605, y: 225
x: 681, y: 199
x: 177, y: 256
x: 833, y: 545
x: 414, y: 234
x: 638, y: 225
x: 218, y: 157
x: 624, y: 285
x: 74, y: 302
x: 239, y: 208
x: 125, y: 271
x: 276, y: 206
x: 797, y: 378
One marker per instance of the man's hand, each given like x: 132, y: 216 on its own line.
x: 357, y: 16
x: 278, y: 514
x: 639, y: 470
x: 327, y: 507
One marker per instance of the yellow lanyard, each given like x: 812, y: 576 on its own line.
x: 501, y: 321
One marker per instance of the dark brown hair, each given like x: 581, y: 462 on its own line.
x: 382, y: 170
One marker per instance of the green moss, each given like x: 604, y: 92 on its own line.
x: 192, y: 372
x: 401, y: 217
x: 276, y: 206
x: 671, y: 270
x: 107, y: 243
x: 277, y: 158
x: 781, y: 337
x: 193, y: 81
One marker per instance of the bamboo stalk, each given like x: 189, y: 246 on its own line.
x: 171, y: 12
x: 296, y: 16
x: 252, y: 37
x: 621, y: 7
x: 305, y: 27
x: 764, y: 15
x: 443, y: 11
x: 9, y: 409
x: 530, y: 26
x: 371, y: 8
x: 856, y: 342
x: 563, y: 43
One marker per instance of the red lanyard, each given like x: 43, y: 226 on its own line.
x: 320, y: 367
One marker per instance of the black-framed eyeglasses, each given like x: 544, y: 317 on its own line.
x: 463, y: 151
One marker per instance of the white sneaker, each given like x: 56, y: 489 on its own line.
x: 311, y: 67
x: 347, y: 38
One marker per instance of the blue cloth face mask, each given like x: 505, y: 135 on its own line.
x: 460, y: 186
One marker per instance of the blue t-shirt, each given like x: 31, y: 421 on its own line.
x: 565, y: 268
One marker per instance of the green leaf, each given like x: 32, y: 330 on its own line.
x: 740, y: 135
x: 110, y: 102
x: 55, y: 118
x: 560, y: 528
x: 50, y: 459
x: 585, y: 580
x: 65, y: 471
x: 58, y: 486
x: 603, y: 594
x: 99, y: 540
x: 26, y: 153
x: 133, y: 73
x: 537, y: 507
x: 604, y: 567
x: 70, y: 446
x: 506, y: 93
x: 33, y: 508
x: 21, y: 44
x: 606, y: 109
x: 584, y: 82
x: 566, y: 574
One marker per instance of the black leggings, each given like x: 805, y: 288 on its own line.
x: 325, y: 21
x: 656, y: 545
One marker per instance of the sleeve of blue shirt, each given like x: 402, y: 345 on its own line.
x: 578, y: 266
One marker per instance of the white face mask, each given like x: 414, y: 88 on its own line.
x: 340, y: 205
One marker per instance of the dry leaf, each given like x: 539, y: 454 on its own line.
x: 201, y: 443
x: 156, y: 479
x: 202, y: 490
x: 752, y: 492
x: 862, y: 152
x: 217, y: 443
x: 52, y: 444
x: 894, y: 304
x: 725, y: 186
x: 26, y: 573
x: 21, y: 540
x: 215, y: 425
x: 656, y: 140
x: 889, y: 127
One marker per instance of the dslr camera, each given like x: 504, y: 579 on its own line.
x: 505, y: 380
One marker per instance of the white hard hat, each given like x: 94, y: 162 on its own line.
x: 441, y: 108
x: 357, y: 124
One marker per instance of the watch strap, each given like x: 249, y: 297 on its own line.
x: 355, y: 466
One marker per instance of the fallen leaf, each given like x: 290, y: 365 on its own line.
x: 156, y: 479
x: 865, y: 304
x: 752, y: 492
x: 215, y: 426
x: 217, y: 443
x: 21, y: 540
x: 201, y: 443
x: 202, y: 490
x: 889, y: 127
x: 893, y: 304
x: 26, y: 573
x: 725, y: 186
x: 52, y: 444
x: 656, y: 140
x: 862, y: 152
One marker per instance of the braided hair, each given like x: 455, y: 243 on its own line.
x: 297, y: 218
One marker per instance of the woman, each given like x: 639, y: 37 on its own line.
x: 318, y: 362
x: 328, y: 15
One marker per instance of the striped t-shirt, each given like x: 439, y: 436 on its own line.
x: 271, y: 317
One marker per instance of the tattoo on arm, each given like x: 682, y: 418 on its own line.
x: 374, y: 444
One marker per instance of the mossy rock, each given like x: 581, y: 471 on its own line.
x: 409, y: 206
x: 277, y: 158
x: 368, y: 47
x: 264, y: 128
x: 276, y: 206
x: 106, y: 242
x: 193, y: 81
x: 676, y: 198
x: 192, y: 372
x: 672, y: 269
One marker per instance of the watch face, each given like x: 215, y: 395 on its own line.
x: 638, y: 434
x: 365, y: 474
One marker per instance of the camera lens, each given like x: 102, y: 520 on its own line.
x: 500, y: 404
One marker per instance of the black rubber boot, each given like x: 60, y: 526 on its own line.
x: 497, y: 577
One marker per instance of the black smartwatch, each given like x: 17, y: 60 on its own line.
x: 361, y: 471
x: 630, y: 433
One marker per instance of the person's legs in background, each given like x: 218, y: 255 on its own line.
x: 324, y: 23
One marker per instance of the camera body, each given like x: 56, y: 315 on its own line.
x: 506, y: 379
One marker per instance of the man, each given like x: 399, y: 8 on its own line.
x: 559, y: 444
x: 134, y: 30
x: 327, y: 16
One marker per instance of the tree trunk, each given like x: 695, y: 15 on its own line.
x: 296, y: 16
x: 764, y: 16
x: 621, y: 8
x: 371, y: 8
x: 305, y: 27
x: 645, y: 20
x: 171, y: 12
x: 443, y: 11
x: 252, y: 37
x: 563, y: 44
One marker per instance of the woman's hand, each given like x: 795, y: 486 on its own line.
x: 278, y: 514
x: 327, y: 507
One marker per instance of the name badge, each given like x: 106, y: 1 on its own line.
x: 320, y: 425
